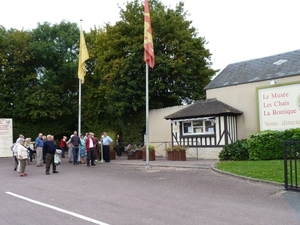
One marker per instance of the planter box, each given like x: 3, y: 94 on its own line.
x: 137, y: 155
x: 151, y: 155
x: 112, y: 154
x: 177, y: 156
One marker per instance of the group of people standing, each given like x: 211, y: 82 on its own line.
x: 23, y: 152
x: 86, y: 146
x: 83, y: 147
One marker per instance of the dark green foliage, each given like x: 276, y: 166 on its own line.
x: 55, y: 50
x: 235, y: 151
x: 43, y: 126
x: 264, y: 145
x: 17, y: 72
x: 39, y: 83
x: 291, y: 134
x: 38, y: 79
x: 117, y: 89
x: 267, y: 145
x: 133, y: 131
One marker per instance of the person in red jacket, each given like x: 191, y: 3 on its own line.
x: 90, y: 145
x: 63, y: 146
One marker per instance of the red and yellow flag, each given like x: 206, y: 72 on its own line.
x: 148, y: 41
x: 83, y: 56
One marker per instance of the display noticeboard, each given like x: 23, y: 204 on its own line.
x: 279, y: 107
x: 6, y: 137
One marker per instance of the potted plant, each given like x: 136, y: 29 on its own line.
x: 112, y: 152
x: 133, y: 152
x: 177, y: 153
x: 151, y: 152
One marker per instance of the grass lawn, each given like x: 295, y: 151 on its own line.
x: 271, y: 170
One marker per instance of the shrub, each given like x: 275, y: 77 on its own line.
x: 235, y: 151
x: 176, y: 148
x: 151, y: 147
x: 265, y: 145
x: 291, y: 134
x: 268, y: 145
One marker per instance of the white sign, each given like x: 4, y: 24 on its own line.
x: 279, y: 107
x: 6, y: 137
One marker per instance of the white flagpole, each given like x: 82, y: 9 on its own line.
x: 147, y: 120
x: 79, y: 105
x: 79, y: 109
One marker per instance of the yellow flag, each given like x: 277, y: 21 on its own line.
x: 83, y: 56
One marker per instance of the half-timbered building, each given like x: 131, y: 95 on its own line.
x: 234, y: 108
x: 209, y: 124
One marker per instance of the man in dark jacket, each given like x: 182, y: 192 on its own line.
x: 49, y: 149
x: 119, y: 143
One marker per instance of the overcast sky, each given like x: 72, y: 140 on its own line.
x: 236, y: 30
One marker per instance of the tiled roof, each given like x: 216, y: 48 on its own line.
x: 267, y: 68
x: 202, y: 108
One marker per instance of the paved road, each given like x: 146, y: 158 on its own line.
x: 124, y: 192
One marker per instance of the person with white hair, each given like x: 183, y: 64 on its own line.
x: 22, y: 157
x: 20, y: 136
x: 15, y: 153
x: 49, y: 150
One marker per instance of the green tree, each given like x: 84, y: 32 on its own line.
x: 181, y: 71
x: 40, y: 83
x: 17, y: 73
x: 55, y: 98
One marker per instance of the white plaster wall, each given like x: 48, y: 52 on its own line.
x: 243, y: 97
x: 160, y: 129
x: 203, y: 153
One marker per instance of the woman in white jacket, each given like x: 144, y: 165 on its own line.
x: 22, y: 157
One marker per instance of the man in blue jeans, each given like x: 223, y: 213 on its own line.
x: 75, y: 142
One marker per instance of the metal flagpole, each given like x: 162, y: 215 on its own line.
x: 147, y: 120
x: 102, y: 160
x: 149, y: 60
x: 79, y: 115
x: 79, y: 109
x: 79, y: 106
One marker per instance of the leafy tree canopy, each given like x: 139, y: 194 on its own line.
x: 39, y: 72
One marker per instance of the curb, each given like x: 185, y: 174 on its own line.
x: 213, y: 167
x: 162, y: 165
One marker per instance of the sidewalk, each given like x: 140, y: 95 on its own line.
x: 189, y: 163
x: 163, y: 162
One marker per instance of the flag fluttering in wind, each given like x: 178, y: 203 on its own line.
x: 148, y: 41
x: 83, y: 56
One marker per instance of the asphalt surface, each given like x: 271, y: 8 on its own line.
x: 131, y: 192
